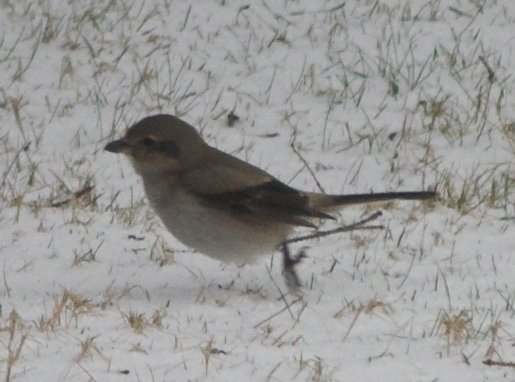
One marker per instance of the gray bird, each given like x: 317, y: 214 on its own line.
x: 218, y: 204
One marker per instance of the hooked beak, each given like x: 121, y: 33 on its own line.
x: 118, y: 146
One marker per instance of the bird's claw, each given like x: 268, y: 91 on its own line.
x: 289, y: 263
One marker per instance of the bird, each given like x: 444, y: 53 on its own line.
x: 219, y: 205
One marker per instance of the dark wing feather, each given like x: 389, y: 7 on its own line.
x: 270, y: 201
x: 228, y: 184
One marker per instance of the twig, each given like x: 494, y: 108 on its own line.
x: 459, y: 12
x: 16, y: 156
x: 408, y: 272
x: 352, y: 324
x: 335, y: 8
x: 354, y: 226
x: 299, y: 80
x: 491, y: 73
x: 287, y: 307
x: 490, y: 362
x: 311, y: 172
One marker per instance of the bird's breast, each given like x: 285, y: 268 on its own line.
x: 215, y: 232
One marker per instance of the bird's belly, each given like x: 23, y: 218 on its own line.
x: 217, y: 234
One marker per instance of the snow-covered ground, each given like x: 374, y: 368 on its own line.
x: 371, y: 95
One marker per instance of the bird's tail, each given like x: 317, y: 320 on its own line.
x: 328, y: 201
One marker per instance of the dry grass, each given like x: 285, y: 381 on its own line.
x: 358, y: 96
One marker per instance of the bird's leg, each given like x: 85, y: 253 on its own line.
x: 289, y: 263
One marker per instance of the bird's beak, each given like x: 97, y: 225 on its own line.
x: 116, y: 147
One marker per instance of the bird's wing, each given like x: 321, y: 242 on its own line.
x: 248, y: 193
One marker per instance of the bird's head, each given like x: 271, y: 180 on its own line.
x: 160, y: 144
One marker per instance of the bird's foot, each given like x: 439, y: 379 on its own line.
x: 289, y: 263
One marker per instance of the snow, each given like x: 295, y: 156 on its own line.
x: 383, y: 95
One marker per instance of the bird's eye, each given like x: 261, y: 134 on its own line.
x: 148, y: 142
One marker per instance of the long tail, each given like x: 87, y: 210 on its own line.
x: 321, y: 201
x: 366, y: 198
